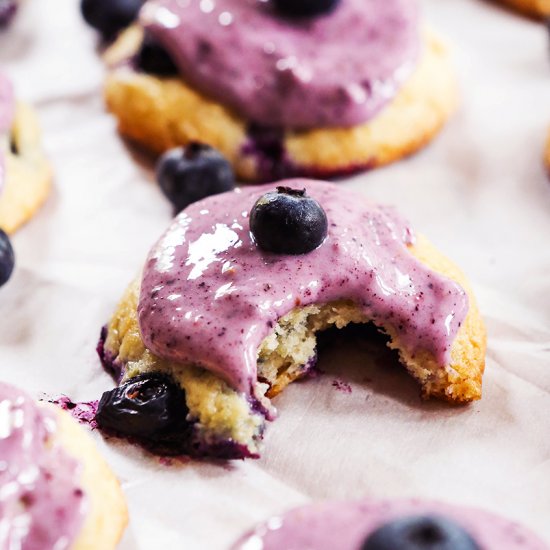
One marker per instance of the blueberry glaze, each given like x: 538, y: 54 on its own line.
x: 209, y: 295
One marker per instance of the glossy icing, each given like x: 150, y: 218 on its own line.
x: 41, y: 503
x: 7, y: 109
x: 346, y: 525
x: 335, y: 70
x: 209, y: 295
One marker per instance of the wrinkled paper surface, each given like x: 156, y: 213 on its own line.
x: 479, y: 192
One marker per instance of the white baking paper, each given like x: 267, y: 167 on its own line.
x: 479, y: 192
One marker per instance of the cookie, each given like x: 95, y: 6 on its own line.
x: 161, y: 112
x: 28, y: 175
x: 233, y: 325
x: 73, y: 500
x: 532, y: 8
x: 375, y: 524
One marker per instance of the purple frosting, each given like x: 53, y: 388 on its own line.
x: 42, y: 504
x: 210, y: 295
x: 346, y: 525
x: 335, y: 70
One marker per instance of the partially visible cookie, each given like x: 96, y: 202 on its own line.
x: 61, y: 489
x: 28, y: 174
x: 370, y: 524
x: 107, y: 517
x: 532, y: 8
x: 164, y: 112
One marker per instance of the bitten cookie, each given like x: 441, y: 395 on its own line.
x: 301, y: 119
x: 25, y: 173
x: 225, y: 315
x: 389, y: 524
x: 532, y: 8
x: 61, y: 488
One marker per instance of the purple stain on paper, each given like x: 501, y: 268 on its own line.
x: 83, y: 412
x: 341, y: 386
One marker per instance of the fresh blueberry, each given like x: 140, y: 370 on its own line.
x: 152, y: 58
x: 189, y: 174
x: 288, y: 221
x: 149, y: 407
x: 109, y: 17
x: 7, y: 258
x: 420, y: 533
x: 8, y: 8
x: 305, y: 8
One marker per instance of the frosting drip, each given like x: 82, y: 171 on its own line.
x: 209, y: 295
x: 346, y: 525
x: 41, y: 504
x: 335, y: 70
x: 7, y: 108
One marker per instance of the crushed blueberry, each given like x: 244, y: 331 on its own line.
x: 149, y: 408
x: 305, y: 8
x: 152, y: 58
x: 288, y: 221
x: 189, y: 174
x: 109, y: 17
x: 7, y: 258
x: 420, y: 533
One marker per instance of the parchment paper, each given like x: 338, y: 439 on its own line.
x: 479, y: 192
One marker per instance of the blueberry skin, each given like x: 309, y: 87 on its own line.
x: 420, y: 533
x: 287, y: 221
x: 189, y: 174
x: 109, y: 17
x: 7, y: 258
x: 149, y: 407
x: 152, y: 58
x: 305, y: 8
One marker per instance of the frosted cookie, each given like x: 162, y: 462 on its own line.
x: 532, y: 8
x: 56, y: 491
x: 279, y: 95
x: 389, y: 525
x: 226, y: 313
x: 25, y: 174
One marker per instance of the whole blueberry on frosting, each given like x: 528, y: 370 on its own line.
x: 305, y: 8
x: 189, y: 174
x: 152, y: 58
x: 420, y: 533
x: 110, y: 16
x: 149, y: 407
x: 7, y: 258
x: 288, y: 221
